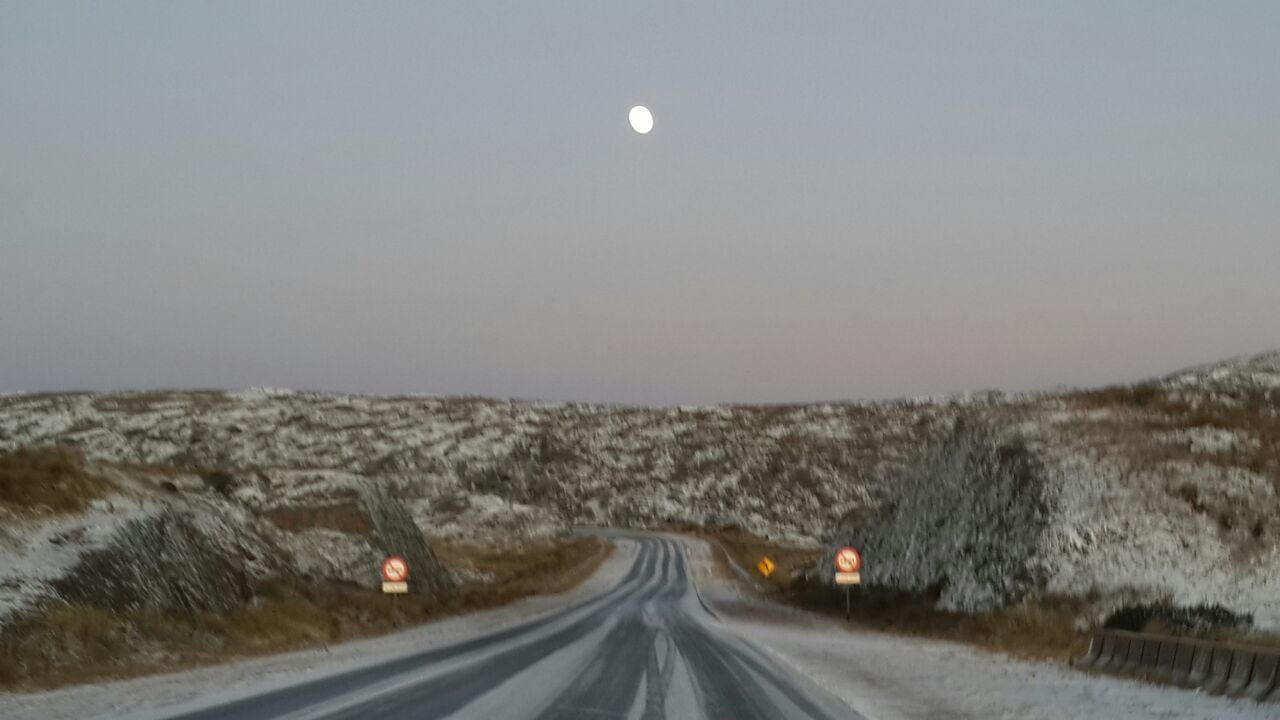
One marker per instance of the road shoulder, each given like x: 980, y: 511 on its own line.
x: 222, y: 683
x: 891, y: 677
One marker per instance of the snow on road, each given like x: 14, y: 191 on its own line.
x: 145, y: 697
x: 893, y: 677
x: 883, y: 676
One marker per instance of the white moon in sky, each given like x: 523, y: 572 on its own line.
x: 641, y: 119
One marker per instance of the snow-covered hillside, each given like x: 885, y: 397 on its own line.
x: 1164, y: 488
x: 781, y: 471
x: 1163, y: 491
x: 289, y: 475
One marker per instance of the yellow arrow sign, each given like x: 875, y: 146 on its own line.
x: 765, y: 566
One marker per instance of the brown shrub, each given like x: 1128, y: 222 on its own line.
x: 746, y: 551
x: 541, y: 567
x: 1141, y: 415
x: 48, y: 478
x: 1226, y: 520
x: 1134, y: 396
x: 343, y: 517
x: 1190, y: 494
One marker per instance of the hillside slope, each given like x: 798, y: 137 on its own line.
x: 1166, y: 491
x: 1163, y: 489
x: 775, y: 470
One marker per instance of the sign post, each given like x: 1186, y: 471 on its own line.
x: 395, y: 581
x: 848, y: 563
x: 395, y: 575
x: 765, y: 566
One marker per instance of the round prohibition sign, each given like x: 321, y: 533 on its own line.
x: 395, y: 569
x: 848, y: 560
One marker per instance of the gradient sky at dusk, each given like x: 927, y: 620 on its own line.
x: 838, y: 200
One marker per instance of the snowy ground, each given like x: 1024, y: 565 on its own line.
x: 163, y: 695
x: 1165, y: 490
x: 891, y: 677
x: 465, y: 464
x: 34, y: 551
x: 885, y: 677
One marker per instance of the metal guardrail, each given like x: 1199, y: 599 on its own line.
x: 1237, y: 671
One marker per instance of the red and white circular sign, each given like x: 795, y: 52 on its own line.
x: 395, y: 569
x: 848, y: 560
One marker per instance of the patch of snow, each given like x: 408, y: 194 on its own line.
x: 35, y: 550
x: 319, y: 552
x: 1210, y: 440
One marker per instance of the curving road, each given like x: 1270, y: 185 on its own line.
x: 646, y: 649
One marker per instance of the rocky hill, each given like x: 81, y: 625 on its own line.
x: 461, y: 461
x: 1163, y: 488
x: 1165, y: 492
x: 282, y: 482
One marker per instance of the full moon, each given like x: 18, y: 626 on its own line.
x: 641, y: 119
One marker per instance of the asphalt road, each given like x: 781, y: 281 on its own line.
x: 648, y: 648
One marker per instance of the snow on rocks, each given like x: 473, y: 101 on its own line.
x: 206, y: 541
x: 323, y: 553
x: 1168, y: 489
x: 1210, y: 440
x: 165, y: 561
x: 35, y: 551
x: 575, y: 463
x: 966, y: 521
x: 1113, y: 506
x: 483, y: 517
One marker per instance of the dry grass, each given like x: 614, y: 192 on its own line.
x: 48, y: 479
x: 66, y: 645
x: 346, y: 517
x: 542, y: 567
x: 1143, y: 410
x: 1044, y: 630
x: 1136, y: 429
x: 746, y: 550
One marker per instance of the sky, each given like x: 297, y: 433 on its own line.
x: 839, y: 200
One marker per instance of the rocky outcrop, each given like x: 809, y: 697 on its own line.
x: 965, y: 522
x: 163, y: 562
x: 208, y: 551
x: 1091, y: 502
x: 779, y: 471
x: 1164, y: 490
x: 395, y: 533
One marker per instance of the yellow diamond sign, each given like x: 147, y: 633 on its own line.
x: 765, y: 566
